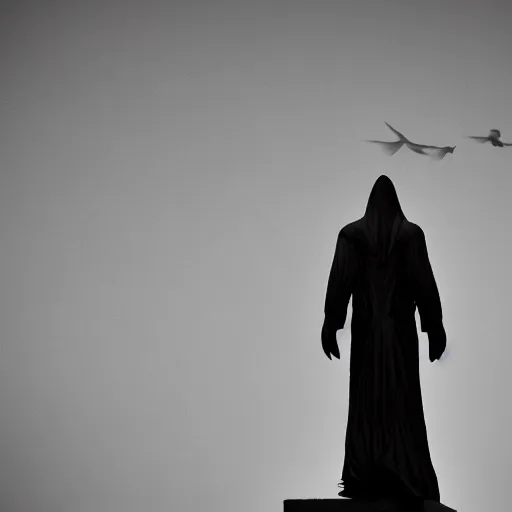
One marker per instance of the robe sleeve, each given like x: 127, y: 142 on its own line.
x: 425, y: 292
x: 339, y: 286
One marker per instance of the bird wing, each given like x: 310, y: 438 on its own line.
x: 417, y: 148
x: 390, y: 148
x: 507, y: 143
x: 401, y: 136
x: 435, y: 152
x: 479, y: 139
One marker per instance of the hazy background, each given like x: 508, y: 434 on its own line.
x: 173, y: 179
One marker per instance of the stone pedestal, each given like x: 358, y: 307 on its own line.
x: 347, y: 505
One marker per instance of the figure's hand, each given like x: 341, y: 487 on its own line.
x: 436, y: 343
x: 329, y: 342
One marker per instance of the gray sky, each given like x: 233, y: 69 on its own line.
x: 173, y: 179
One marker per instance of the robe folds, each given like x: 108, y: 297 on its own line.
x: 385, y: 269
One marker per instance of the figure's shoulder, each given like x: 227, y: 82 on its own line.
x: 410, y: 231
x: 352, y: 230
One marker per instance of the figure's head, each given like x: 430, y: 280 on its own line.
x: 383, y: 196
x: 383, y: 216
x: 451, y: 149
x: 384, y: 180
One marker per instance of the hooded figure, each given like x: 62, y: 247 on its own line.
x: 381, y: 261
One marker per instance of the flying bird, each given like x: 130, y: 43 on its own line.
x: 436, y: 152
x: 493, y: 137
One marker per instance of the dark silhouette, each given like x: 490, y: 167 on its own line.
x: 338, y: 505
x: 493, y: 137
x: 381, y: 261
x: 436, y: 152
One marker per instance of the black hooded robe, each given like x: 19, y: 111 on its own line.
x: 381, y: 261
